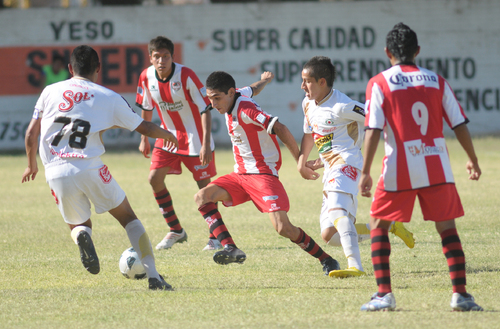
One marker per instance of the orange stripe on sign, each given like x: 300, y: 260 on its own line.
x: 121, y: 66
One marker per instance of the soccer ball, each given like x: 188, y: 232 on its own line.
x: 131, y: 266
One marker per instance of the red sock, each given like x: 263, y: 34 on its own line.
x: 214, y: 220
x: 452, y: 250
x: 310, y: 246
x: 381, y: 250
x: 167, y: 209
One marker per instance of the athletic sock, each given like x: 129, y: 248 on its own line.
x: 381, y: 250
x: 78, y: 229
x: 305, y: 242
x: 349, y: 241
x: 217, y: 228
x: 141, y: 244
x: 164, y: 201
x: 363, y: 231
x: 452, y: 250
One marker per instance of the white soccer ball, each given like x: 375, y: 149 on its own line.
x: 131, y: 266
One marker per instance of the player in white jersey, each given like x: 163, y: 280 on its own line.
x: 255, y: 178
x: 334, y: 122
x: 70, y: 117
x: 409, y: 104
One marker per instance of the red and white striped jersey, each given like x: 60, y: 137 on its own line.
x: 409, y: 103
x: 74, y: 113
x: 179, y: 102
x: 255, y: 148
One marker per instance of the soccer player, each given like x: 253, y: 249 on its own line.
x: 409, y: 104
x: 255, y: 178
x: 334, y: 122
x: 70, y: 117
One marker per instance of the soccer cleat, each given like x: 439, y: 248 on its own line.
x: 228, y: 255
x: 464, y: 304
x: 386, y: 303
x: 399, y: 230
x: 213, y: 244
x: 171, y: 238
x: 329, y: 265
x: 351, y: 271
x: 159, y: 284
x: 87, y: 252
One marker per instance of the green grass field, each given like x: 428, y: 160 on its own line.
x: 44, y: 285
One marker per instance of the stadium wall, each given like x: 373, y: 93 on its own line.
x: 458, y: 38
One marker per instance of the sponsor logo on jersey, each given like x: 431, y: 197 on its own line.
x: 200, y: 167
x: 204, y: 175
x: 359, y: 110
x: 153, y: 88
x: 140, y: 91
x: 412, y: 79
x: 176, y: 85
x: 327, y: 131
x: 236, y: 139
x: 172, y: 107
x: 324, y: 143
x: 350, y: 172
x: 261, y: 118
x: 36, y: 114
x: 71, y: 98
x: 105, y: 174
x: 270, y: 197
x: 67, y: 154
x: 331, y: 181
x: 424, y: 150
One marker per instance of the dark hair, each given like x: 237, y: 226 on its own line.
x: 321, y: 67
x: 58, y: 57
x: 84, y: 60
x: 402, y: 42
x: 161, y: 43
x: 220, y: 81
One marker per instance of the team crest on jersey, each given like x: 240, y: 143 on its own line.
x: 105, y: 174
x: 350, y: 172
x: 329, y: 122
x: 358, y: 110
x: 176, y: 85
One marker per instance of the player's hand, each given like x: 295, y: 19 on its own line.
x: 315, y: 164
x: 267, y: 76
x: 365, y: 185
x: 308, y: 173
x: 205, y: 155
x: 144, y: 146
x: 473, y: 170
x: 170, y: 143
x: 29, y: 173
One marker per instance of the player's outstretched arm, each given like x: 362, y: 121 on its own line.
x: 258, y: 86
x: 145, y: 146
x: 31, y: 143
x: 372, y: 137
x: 472, y: 165
x: 152, y: 130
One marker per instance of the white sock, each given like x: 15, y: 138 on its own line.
x: 78, y: 229
x: 141, y: 244
x: 349, y: 240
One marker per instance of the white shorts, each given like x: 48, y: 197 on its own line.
x: 74, y: 193
x: 335, y: 199
x: 342, y: 178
